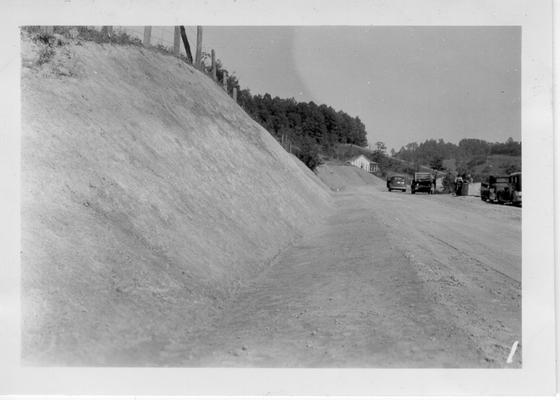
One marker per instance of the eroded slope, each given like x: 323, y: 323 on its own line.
x: 148, y: 196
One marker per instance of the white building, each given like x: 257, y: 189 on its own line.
x: 364, y: 163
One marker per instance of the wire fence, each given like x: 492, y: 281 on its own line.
x: 160, y: 35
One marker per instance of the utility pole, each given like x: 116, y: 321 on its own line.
x: 224, y: 80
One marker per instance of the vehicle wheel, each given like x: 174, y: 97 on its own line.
x: 404, y: 190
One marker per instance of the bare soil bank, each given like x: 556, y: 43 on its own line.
x: 148, y: 198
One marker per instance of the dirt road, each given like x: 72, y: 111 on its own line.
x: 390, y: 280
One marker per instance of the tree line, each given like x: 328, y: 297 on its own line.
x: 469, y: 151
x: 308, y: 130
x: 304, y: 128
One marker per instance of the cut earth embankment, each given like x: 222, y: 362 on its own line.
x: 148, y: 196
x: 339, y: 177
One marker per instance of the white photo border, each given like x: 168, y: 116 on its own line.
x: 538, y: 374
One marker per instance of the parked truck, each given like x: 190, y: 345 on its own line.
x: 423, y: 182
x: 515, y: 182
x: 502, y: 189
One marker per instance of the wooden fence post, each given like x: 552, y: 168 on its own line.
x: 186, y: 44
x: 235, y: 94
x: 176, y: 41
x: 224, y: 81
x: 147, y: 35
x: 214, y: 65
x: 198, y: 56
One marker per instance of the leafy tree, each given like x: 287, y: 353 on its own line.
x: 380, y: 146
x: 510, y: 147
x: 309, y: 153
x: 307, y: 127
x: 437, y: 163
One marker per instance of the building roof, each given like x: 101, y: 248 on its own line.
x: 361, y: 155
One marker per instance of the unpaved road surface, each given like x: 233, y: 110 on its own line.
x: 389, y: 280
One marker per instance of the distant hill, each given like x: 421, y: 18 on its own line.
x: 477, y: 166
x: 474, y: 157
x: 388, y: 165
x: 480, y: 167
x: 345, y: 151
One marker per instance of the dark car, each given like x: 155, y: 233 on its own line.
x: 396, y: 182
x: 423, y: 182
x: 502, y: 189
x: 515, y: 181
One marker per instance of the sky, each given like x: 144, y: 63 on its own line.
x: 407, y: 84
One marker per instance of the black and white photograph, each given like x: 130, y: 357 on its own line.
x: 172, y: 216
x: 294, y: 196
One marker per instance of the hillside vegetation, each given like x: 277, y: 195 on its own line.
x: 302, y: 123
x: 475, y: 157
x: 306, y: 129
x: 469, y: 158
x: 148, y: 197
x: 315, y: 133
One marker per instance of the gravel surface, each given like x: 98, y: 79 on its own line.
x: 389, y: 280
